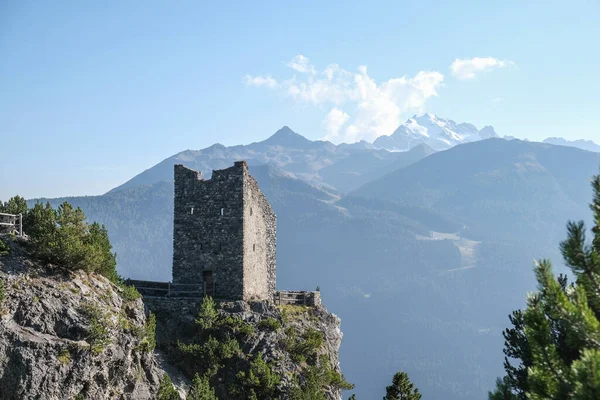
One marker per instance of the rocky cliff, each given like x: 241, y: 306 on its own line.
x: 70, y: 335
x: 253, y: 349
x: 75, y: 335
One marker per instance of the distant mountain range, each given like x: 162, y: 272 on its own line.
x: 437, y: 133
x: 422, y: 253
x: 441, y: 134
x: 580, y: 144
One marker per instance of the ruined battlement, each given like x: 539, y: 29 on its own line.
x: 224, y: 234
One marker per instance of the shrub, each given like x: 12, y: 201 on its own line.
x: 208, y: 357
x: 303, y: 348
x: 271, y: 324
x: 2, y: 295
x: 4, y: 249
x: 316, y: 378
x: 148, y: 342
x: 166, y: 391
x: 64, y: 356
x: 201, y: 389
x: 129, y: 293
x: 208, y: 313
x: 259, y: 382
x: 98, y: 331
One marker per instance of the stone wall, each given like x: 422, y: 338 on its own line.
x: 259, y: 242
x: 224, y: 225
x: 208, y: 229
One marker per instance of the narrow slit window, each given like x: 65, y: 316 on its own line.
x: 253, y: 247
x: 192, y: 211
x: 250, y: 210
x: 222, y: 211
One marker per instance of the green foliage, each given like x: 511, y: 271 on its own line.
x: 2, y: 294
x: 401, y: 389
x: 4, y: 249
x: 555, y: 339
x: 98, y: 328
x: 63, y: 237
x: 15, y: 205
x: 166, y: 391
x: 353, y: 397
x: 270, y: 323
x: 305, y: 347
x: 64, y: 356
x: 259, y: 382
x: 502, y: 391
x: 201, y: 389
x: 129, y: 292
x: 148, y: 342
x: 316, y: 378
x: 208, y: 313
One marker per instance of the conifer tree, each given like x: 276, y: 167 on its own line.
x: 401, y: 389
x: 15, y: 205
x: 556, y: 339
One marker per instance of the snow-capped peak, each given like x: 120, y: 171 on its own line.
x: 438, y: 133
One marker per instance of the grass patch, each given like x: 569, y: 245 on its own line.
x: 291, y: 312
x: 64, y: 356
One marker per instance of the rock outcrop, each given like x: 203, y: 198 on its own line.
x: 70, y: 335
x: 290, y: 339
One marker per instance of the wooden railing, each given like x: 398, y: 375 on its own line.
x: 306, y: 298
x: 166, y: 289
x: 12, y: 222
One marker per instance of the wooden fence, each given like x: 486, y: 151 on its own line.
x: 166, y: 289
x: 12, y: 223
x: 306, y: 298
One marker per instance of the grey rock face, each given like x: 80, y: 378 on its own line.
x: 46, y: 330
x: 176, y: 322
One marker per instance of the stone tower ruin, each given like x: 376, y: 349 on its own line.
x: 224, y: 235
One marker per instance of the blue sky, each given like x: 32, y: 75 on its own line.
x: 92, y: 93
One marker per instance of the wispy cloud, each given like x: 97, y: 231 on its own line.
x: 469, y: 68
x: 359, y: 107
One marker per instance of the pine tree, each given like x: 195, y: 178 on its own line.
x: 401, y: 389
x: 201, y: 389
x: 556, y: 339
x: 15, y: 205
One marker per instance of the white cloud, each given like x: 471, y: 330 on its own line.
x: 371, y: 109
x: 468, y: 68
x: 301, y: 64
x: 261, y: 81
x: 333, y: 123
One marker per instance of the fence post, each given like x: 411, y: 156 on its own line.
x: 20, y: 224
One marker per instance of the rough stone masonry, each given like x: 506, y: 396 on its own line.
x: 224, y: 235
